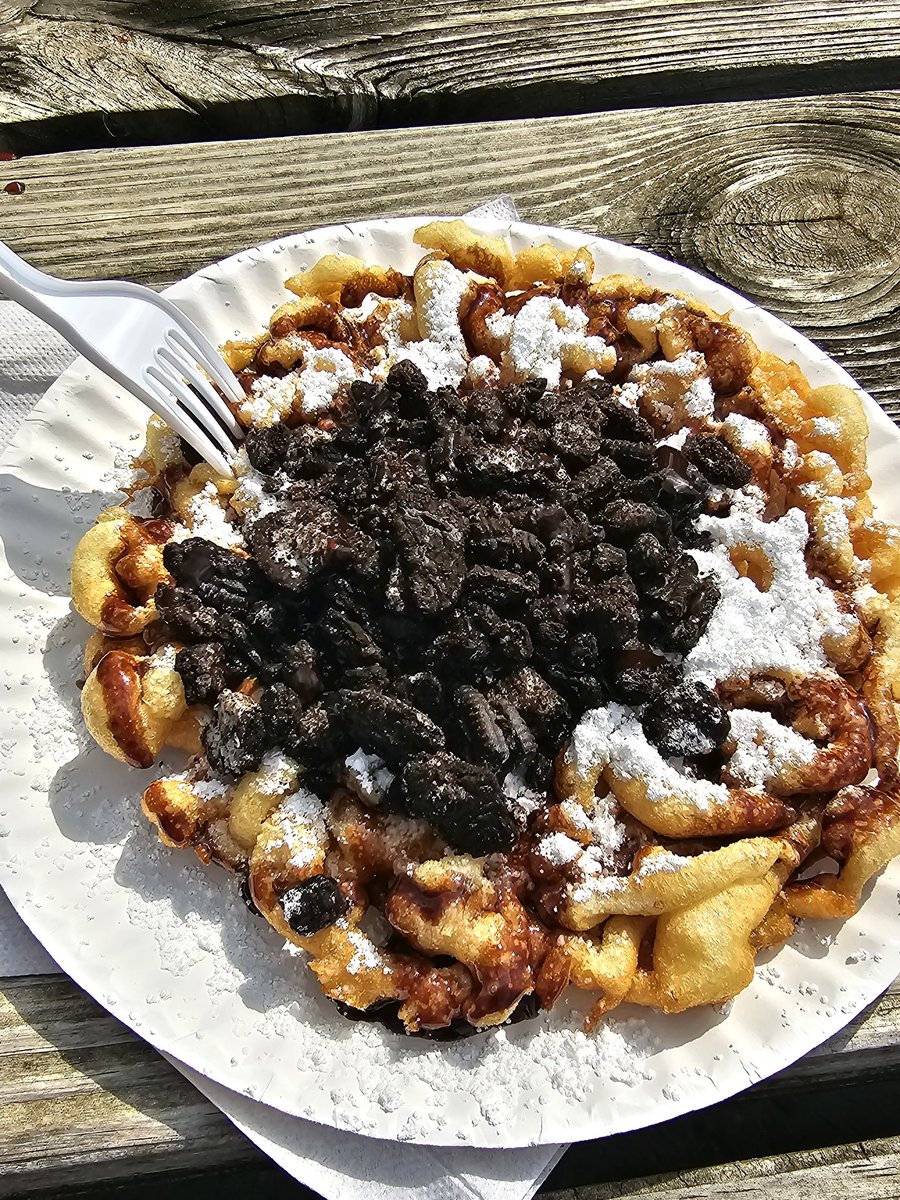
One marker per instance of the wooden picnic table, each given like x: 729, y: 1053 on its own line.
x: 770, y: 158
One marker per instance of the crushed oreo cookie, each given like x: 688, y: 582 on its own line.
x: 447, y: 582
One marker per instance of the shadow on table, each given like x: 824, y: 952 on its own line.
x: 332, y: 96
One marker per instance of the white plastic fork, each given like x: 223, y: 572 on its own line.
x: 144, y: 343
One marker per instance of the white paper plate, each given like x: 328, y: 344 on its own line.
x: 166, y: 945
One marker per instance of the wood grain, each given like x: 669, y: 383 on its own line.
x: 108, y: 72
x: 860, y: 1171
x: 83, y: 1101
x: 793, y: 202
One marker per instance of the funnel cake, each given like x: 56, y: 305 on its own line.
x: 545, y: 636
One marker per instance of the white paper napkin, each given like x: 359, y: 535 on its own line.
x: 339, y: 1165
x: 20, y: 951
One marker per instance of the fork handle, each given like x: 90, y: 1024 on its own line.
x: 16, y: 272
x: 61, y: 303
x: 34, y: 290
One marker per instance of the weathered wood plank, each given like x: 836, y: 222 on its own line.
x: 867, y: 1170
x: 108, y: 72
x: 794, y: 202
x: 83, y: 1101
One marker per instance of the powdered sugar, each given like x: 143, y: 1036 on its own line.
x: 628, y: 394
x: 515, y: 787
x: 404, y: 834
x: 832, y: 523
x: 366, y: 955
x: 324, y: 372
x: 753, y: 631
x: 661, y: 861
x: 597, y: 882
x: 699, y: 399
x: 251, y: 498
x: 821, y: 462
x: 676, y: 440
x: 298, y: 824
x: 271, y: 399
x: 163, y: 657
x: 826, y: 427
x: 308, y: 388
x: 558, y: 848
x: 606, y: 832
x: 209, y: 789
x: 765, y: 748
x: 546, y: 337
x: 865, y: 595
x: 645, y: 314
x: 482, y: 372
x: 398, y: 326
x: 207, y: 518
x: 367, y: 776
x: 277, y: 773
x: 688, y: 365
x: 441, y: 355
x: 648, y: 314
x: 790, y: 455
x: 679, y: 386
x: 613, y: 737
x: 746, y: 433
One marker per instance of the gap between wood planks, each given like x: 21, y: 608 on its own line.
x: 107, y: 73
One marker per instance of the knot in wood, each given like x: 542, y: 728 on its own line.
x: 796, y: 235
